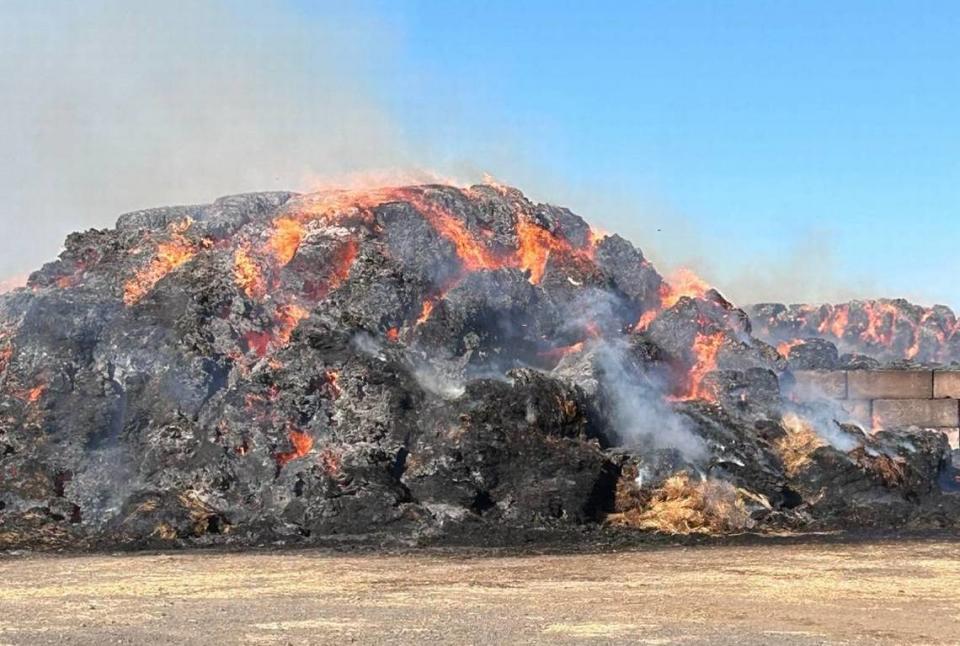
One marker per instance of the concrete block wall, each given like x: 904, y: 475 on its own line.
x: 888, y: 398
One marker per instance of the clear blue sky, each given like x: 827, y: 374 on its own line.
x: 762, y: 125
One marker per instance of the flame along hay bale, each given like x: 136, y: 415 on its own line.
x: 682, y: 506
x: 799, y: 442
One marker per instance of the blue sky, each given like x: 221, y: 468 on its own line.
x: 750, y: 133
x: 798, y: 151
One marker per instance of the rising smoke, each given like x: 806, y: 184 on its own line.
x: 638, y: 411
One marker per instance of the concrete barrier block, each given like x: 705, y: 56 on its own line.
x: 890, y: 384
x: 819, y: 384
x: 946, y: 383
x: 859, y: 411
x: 925, y: 413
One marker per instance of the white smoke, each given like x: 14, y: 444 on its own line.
x: 640, y: 415
x: 639, y: 412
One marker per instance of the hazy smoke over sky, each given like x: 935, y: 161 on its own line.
x: 114, y: 106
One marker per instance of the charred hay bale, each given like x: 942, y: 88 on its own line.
x: 497, y: 317
x: 268, y: 367
x: 690, y: 323
x: 223, y: 217
x: 852, y: 361
x: 736, y: 452
x: 813, y: 354
x: 751, y: 394
x: 519, y: 451
x: 629, y: 272
x: 422, y: 254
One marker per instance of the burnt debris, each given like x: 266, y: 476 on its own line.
x: 416, y: 363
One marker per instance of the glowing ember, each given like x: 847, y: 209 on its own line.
x: 31, y: 395
x: 258, y: 342
x: 247, y: 274
x: 330, y: 461
x: 343, y: 263
x: 393, y: 335
x: 169, y: 256
x: 6, y: 353
x: 301, y: 443
x: 332, y: 379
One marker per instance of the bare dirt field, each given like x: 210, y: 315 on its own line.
x: 889, y: 592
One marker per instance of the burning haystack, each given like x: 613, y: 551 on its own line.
x: 860, y: 334
x: 407, y: 364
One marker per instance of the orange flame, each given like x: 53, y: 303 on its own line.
x: 425, y: 311
x: 170, y: 255
x: 343, y: 263
x: 684, y: 282
x: 646, y: 319
x: 835, y: 321
x: 301, y: 443
x: 596, y: 237
x: 785, y: 347
x: 881, y: 323
x: 288, y: 317
x: 285, y: 239
x: 555, y: 354
x: 705, y: 350
x: 393, y: 335
x: 940, y: 334
x: 534, y: 246
x: 247, y: 274
x: 473, y: 254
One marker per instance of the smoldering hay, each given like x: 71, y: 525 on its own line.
x: 410, y: 365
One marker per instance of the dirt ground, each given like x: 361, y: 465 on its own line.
x: 889, y: 592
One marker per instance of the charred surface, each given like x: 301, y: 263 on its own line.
x: 423, y: 364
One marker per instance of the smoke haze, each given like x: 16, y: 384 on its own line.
x: 113, y: 106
